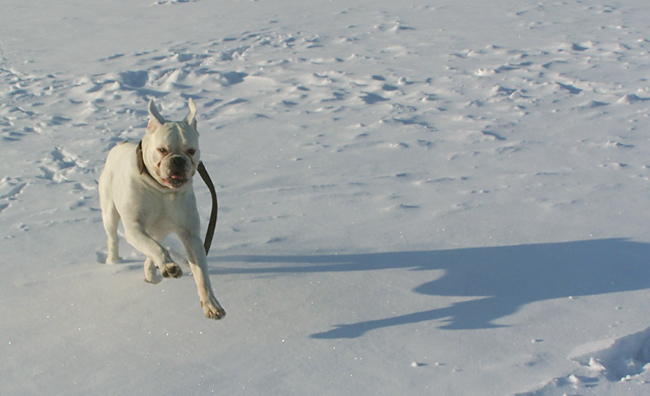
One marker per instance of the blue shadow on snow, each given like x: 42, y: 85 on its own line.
x: 507, y: 277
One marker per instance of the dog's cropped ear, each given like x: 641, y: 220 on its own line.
x: 191, y: 117
x: 155, y: 119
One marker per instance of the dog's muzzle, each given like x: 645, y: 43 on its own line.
x: 177, y: 172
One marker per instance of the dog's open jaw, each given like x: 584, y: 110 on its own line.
x: 175, y: 181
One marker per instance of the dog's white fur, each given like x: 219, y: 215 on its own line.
x: 158, y: 201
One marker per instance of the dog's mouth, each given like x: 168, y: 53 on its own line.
x: 175, y: 181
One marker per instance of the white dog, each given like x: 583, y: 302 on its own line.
x: 149, y: 186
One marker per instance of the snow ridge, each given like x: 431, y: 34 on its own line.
x: 603, y: 364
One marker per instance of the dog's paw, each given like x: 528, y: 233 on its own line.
x: 213, y: 309
x: 113, y: 259
x: 172, y: 270
x: 153, y: 278
x: 104, y: 258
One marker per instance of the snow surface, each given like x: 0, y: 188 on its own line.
x: 417, y: 197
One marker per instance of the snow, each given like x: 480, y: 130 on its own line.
x: 444, y: 197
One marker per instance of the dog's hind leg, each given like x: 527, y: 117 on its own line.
x: 111, y: 218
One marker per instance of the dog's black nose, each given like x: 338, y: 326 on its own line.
x: 178, y: 161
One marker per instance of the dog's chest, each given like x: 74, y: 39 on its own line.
x: 166, y: 211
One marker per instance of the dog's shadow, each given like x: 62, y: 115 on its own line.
x: 503, y: 279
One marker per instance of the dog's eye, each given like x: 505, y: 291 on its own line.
x: 191, y: 151
x: 162, y: 150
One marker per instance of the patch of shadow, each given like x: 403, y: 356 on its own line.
x: 233, y: 102
x: 578, y: 47
x: 593, y: 104
x: 505, y: 91
x: 415, y: 120
x: 407, y: 206
x: 629, y: 99
x: 494, y: 135
x: 502, y: 279
x: 134, y: 79
x: 371, y: 98
x: 58, y: 120
x: 572, y: 90
x: 232, y: 78
x: 212, y: 102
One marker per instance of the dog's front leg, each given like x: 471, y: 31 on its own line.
x: 155, y: 252
x: 199, y: 266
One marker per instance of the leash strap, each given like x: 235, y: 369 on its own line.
x: 212, y: 224
x: 215, y: 207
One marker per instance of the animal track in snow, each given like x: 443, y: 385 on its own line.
x: 60, y: 165
x: 9, y: 190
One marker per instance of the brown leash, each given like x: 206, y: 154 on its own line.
x: 212, y: 224
x: 215, y: 207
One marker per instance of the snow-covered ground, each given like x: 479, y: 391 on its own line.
x: 416, y: 197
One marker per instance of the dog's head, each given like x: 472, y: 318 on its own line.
x: 170, y: 149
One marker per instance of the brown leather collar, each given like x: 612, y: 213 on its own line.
x: 141, y: 167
